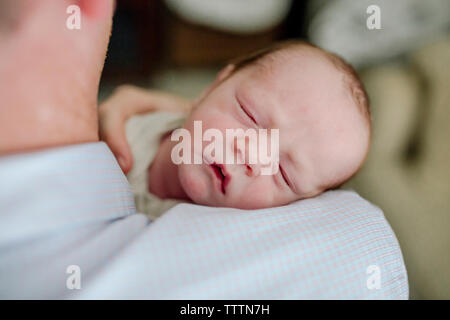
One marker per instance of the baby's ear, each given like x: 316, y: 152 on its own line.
x: 224, y: 73
x: 221, y: 76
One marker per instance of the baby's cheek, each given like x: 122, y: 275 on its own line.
x: 193, y: 184
x: 257, y: 196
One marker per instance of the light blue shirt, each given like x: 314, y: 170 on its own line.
x: 72, y: 207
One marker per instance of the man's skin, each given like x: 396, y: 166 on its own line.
x: 49, y: 75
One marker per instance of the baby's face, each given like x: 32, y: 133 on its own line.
x: 322, y: 136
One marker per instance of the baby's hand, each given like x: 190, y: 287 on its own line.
x: 125, y: 102
x: 112, y: 119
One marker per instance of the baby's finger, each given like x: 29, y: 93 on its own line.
x: 112, y: 131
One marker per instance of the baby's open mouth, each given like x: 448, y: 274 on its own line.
x: 222, y: 175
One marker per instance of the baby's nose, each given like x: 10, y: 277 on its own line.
x: 245, y: 150
x: 253, y: 170
x: 247, y: 155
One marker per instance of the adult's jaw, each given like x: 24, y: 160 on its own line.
x: 49, y: 88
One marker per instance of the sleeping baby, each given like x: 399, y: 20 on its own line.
x: 314, y: 99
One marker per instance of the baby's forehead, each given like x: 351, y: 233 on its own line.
x: 296, y: 83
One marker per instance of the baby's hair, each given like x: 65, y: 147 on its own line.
x: 351, y: 79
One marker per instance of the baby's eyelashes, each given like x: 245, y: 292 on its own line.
x: 247, y: 114
x: 285, y: 178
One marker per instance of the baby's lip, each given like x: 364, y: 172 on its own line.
x: 221, y: 174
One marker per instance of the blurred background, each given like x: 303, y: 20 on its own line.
x: 179, y: 45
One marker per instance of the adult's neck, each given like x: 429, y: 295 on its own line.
x: 48, y: 98
x: 49, y: 74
